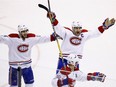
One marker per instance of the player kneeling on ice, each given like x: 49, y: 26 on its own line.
x: 20, y: 54
x: 69, y: 74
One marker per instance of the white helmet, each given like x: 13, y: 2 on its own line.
x: 22, y: 28
x: 73, y: 59
x: 76, y: 24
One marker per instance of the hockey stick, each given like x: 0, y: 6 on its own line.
x: 49, y: 10
x: 54, y: 30
x: 57, y: 40
x: 19, y: 76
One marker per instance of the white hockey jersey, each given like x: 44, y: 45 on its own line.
x: 20, y: 50
x: 73, y: 44
x: 76, y: 75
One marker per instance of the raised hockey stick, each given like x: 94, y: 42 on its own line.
x: 57, y: 40
x: 54, y: 31
x: 49, y: 10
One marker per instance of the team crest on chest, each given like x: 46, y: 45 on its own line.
x: 75, y: 40
x: 23, y: 48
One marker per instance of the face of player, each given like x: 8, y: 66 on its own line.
x: 23, y: 34
x: 73, y: 64
x: 76, y: 30
x: 72, y: 67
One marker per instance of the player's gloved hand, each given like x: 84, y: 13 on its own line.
x: 56, y: 36
x: 108, y: 23
x: 101, y: 77
x: 51, y: 16
x: 97, y: 76
x: 68, y: 81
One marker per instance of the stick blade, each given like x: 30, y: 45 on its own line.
x: 44, y: 7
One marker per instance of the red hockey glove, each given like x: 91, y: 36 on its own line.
x: 108, y: 23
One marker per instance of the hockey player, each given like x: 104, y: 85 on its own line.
x: 20, y: 53
x: 75, y: 38
x: 68, y: 75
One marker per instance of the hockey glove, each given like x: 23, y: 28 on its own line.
x: 108, y: 23
x: 56, y: 36
x: 51, y: 16
x: 96, y: 76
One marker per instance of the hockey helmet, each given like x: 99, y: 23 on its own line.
x: 22, y: 28
x: 76, y: 24
x: 73, y: 59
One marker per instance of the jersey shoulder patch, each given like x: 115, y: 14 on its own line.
x: 30, y: 35
x: 84, y: 30
x: 13, y: 35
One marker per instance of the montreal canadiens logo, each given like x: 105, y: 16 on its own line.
x: 75, y: 40
x: 23, y: 47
